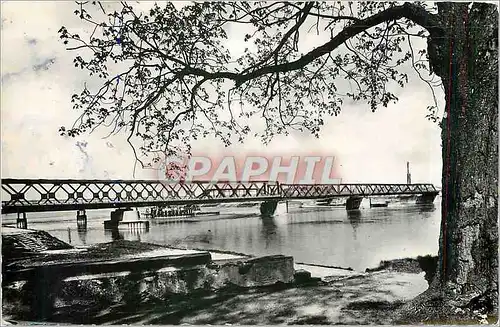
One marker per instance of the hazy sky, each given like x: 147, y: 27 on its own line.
x: 38, y: 79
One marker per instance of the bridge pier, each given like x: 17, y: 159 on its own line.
x: 353, y: 202
x: 268, y: 208
x: 81, y: 219
x: 116, y: 216
x: 426, y: 198
x: 130, y: 220
x: 21, y: 221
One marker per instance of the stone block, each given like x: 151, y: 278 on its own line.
x: 262, y: 271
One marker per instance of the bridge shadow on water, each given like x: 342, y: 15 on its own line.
x: 269, y: 230
x: 82, y: 234
x: 354, y: 217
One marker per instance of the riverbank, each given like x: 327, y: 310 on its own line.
x: 310, y: 294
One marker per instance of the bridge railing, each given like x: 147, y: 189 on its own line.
x: 331, y: 190
x: 45, y: 192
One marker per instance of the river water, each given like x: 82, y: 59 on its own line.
x: 318, y: 235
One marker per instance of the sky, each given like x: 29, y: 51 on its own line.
x: 38, y: 79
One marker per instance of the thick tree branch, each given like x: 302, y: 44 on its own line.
x: 407, y: 10
x: 305, y: 12
x: 195, y: 55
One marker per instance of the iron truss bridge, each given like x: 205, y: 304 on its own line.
x: 36, y: 195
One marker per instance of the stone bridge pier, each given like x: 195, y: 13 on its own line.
x: 126, y: 216
x: 353, y: 202
x: 267, y: 208
x: 22, y: 221
x: 81, y: 219
x: 116, y: 217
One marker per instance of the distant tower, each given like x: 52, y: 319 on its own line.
x: 408, y: 175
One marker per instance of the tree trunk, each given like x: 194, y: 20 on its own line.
x: 466, y: 58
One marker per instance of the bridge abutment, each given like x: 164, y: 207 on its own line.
x: 426, y: 198
x: 353, y: 202
x: 22, y: 221
x: 268, y: 208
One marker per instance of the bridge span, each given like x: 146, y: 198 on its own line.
x: 22, y: 196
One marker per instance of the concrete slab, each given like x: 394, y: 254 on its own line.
x: 164, y: 252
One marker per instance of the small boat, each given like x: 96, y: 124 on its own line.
x: 383, y: 204
x: 379, y: 205
x: 195, y: 214
x: 174, y: 211
x: 247, y: 204
x: 406, y: 198
x: 323, y: 202
x: 209, y: 205
x: 308, y: 204
x: 338, y: 202
x: 171, y: 220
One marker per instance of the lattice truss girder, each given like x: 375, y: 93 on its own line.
x: 25, y: 193
x: 33, y: 192
x: 328, y: 190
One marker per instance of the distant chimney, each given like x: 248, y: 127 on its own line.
x: 408, y: 175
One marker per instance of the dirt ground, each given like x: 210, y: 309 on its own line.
x: 363, y: 298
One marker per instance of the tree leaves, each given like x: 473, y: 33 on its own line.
x: 168, y: 79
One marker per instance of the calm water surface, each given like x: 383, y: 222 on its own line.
x: 328, y: 236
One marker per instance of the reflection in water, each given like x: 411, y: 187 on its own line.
x: 354, y: 217
x: 329, y: 236
x: 82, y: 234
x: 115, y: 234
x: 269, y: 230
x: 131, y: 234
x: 426, y: 208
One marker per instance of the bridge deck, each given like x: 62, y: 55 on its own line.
x: 35, y: 195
